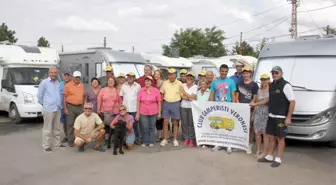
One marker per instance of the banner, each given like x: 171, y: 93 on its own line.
x: 221, y: 124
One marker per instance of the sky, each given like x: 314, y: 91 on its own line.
x: 147, y: 24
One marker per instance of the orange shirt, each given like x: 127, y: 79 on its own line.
x: 73, y: 93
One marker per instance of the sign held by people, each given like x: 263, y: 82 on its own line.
x: 221, y: 124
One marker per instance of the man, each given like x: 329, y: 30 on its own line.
x: 121, y: 80
x: 129, y: 94
x: 209, y: 77
x: 183, y: 75
x: 148, y: 71
x: 73, y: 103
x: 109, y: 74
x: 89, y: 127
x: 238, y: 77
x: 281, y: 107
x: 66, y: 78
x: 223, y: 90
x: 51, y: 102
x: 247, y: 92
x: 171, y: 94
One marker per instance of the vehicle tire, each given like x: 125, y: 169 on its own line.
x: 14, y: 114
x: 332, y: 144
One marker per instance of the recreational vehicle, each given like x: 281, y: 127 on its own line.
x: 21, y: 70
x: 309, y: 65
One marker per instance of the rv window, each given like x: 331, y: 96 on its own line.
x: 126, y: 68
x: 28, y: 76
x: 98, y: 70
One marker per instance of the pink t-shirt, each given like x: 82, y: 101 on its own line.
x: 149, y: 101
x: 109, y: 99
x: 129, y: 120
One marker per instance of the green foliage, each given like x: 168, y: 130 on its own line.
x: 195, y: 41
x: 246, y: 49
x: 7, y: 35
x: 260, y: 46
x: 43, y: 42
x: 332, y: 31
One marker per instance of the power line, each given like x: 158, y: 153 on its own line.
x: 317, y: 9
x: 310, y: 15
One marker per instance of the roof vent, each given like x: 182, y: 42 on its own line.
x: 309, y: 37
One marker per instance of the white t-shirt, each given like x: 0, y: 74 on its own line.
x: 192, y: 90
x: 130, y: 95
x: 289, y: 93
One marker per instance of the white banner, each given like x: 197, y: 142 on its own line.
x: 221, y: 124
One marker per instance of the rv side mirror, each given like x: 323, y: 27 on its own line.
x: 5, y: 84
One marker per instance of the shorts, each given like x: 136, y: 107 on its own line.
x: 171, y: 110
x: 276, y: 127
x: 93, y: 135
x: 63, y: 117
x: 130, y: 138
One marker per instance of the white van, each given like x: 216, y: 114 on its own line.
x: 21, y: 70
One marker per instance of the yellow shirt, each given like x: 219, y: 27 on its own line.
x: 86, y: 124
x: 171, y: 91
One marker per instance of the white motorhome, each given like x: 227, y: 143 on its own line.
x: 21, y: 70
x: 309, y: 65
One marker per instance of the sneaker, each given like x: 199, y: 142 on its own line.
x: 81, y: 149
x: 264, y: 160
x: 186, y: 142
x: 151, y: 145
x: 60, y: 146
x: 175, y: 143
x: 48, y: 150
x: 216, y: 148
x: 275, y: 164
x: 164, y: 142
x: 115, y: 152
x: 64, y: 140
x: 71, y: 145
x: 249, y: 149
x: 143, y: 145
x: 204, y: 146
x: 191, y: 144
x: 99, y: 149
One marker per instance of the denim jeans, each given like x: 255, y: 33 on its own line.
x: 135, y: 126
x: 147, y: 124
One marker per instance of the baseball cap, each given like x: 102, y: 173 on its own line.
x: 172, y: 70
x: 276, y: 69
x: 247, y: 68
x: 131, y: 74
x: 202, y: 73
x: 149, y: 77
x: 77, y: 74
x: 191, y: 73
x: 183, y: 71
x: 108, y: 68
x: 265, y: 76
x: 121, y: 75
x: 66, y: 73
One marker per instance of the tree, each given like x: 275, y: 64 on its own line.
x: 43, y: 42
x: 195, y: 41
x: 259, y: 47
x: 7, y: 35
x: 246, y: 49
x: 329, y: 30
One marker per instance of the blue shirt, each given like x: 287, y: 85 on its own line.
x: 49, y: 95
x: 223, y: 89
x: 237, y: 79
x: 62, y: 93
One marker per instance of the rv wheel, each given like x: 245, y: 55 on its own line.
x: 14, y: 114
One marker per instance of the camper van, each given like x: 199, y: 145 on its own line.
x: 309, y: 66
x: 92, y: 62
x: 204, y: 64
x: 22, y: 68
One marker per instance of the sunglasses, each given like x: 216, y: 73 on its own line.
x: 86, y: 108
x: 264, y: 79
x: 121, y: 110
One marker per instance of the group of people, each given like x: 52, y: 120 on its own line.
x: 132, y: 111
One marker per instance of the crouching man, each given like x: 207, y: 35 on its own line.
x: 88, y: 128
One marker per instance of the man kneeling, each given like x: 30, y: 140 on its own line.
x: 89, y: 127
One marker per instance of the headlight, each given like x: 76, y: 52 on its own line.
x: 324, y: 116
x: 28, y: 98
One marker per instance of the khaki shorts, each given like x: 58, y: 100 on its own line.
x: 93, y: 135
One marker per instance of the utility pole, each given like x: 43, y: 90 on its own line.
x: 105, y: 42
x: 62, y: 48
x: 133, y: 49
x: 293, y: 29
x: 241, y: 44
x: 328, y: 30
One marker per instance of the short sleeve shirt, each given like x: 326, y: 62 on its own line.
x: 129, y: 120
x: 171, y: 91
x: 130, y: 95
x: 223, y: 89
x: 203, y: 97
x: 192, y: 90
x: 149, y: 101
x: 86, y: 124
x: 247, y: 91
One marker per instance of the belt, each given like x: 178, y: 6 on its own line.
x: 78, y: 105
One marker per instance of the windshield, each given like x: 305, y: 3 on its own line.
x: 28, y: 76
x: 315, y: 73
x: 125, y: 68
x: 213, y: 69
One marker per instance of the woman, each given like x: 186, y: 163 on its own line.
x: 108, y: 105
x: 260, y: 113
x: 91, y: 95
x: 129, y: 119
x: 158, y: 76
x: 203, y: 94
x: 148, y: 111
x: 189, y: 91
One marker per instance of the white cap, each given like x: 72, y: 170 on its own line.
x: 77, y: 74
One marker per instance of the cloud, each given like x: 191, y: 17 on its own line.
x: 239, y: 14
x: 79, y: 24
x: 173, y: 26
x: 146, y: 11
x: 131, y: 11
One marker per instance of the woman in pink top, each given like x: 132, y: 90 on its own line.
x: 108, y: 104
x: 148, y: 111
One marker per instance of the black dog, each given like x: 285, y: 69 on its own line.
x: 118, y: 136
